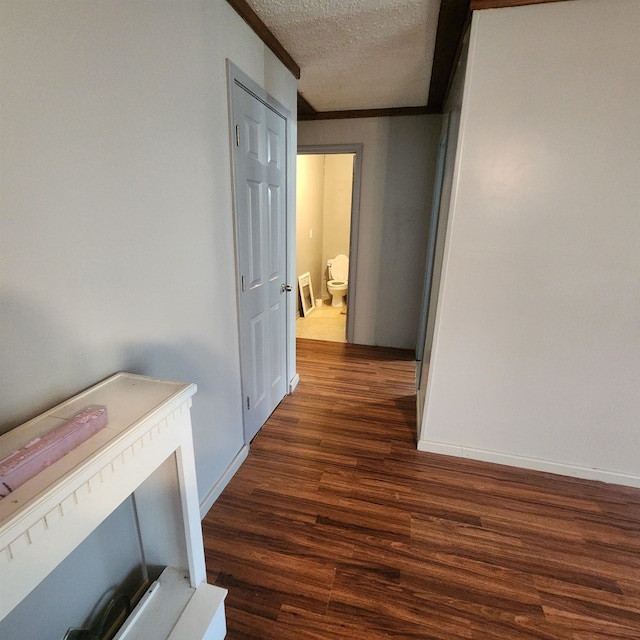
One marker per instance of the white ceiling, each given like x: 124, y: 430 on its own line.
x: 357, y: 54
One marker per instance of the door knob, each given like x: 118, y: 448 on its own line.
x: 285, y: 287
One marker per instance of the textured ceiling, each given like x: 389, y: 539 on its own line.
x: 357, y: 54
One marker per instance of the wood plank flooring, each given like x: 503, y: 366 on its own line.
x: 335, y: 527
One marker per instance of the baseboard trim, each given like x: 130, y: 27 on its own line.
x: 219, y: 486
x: 536, y: 464
x: 294, y: 382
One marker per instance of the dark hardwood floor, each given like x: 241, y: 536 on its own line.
x: 337, y: 527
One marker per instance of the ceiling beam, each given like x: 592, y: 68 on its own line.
x: 477, y: 5
x: 367, y: 113
x: 304, y: 108
x: 243, y: 9
x: 453, y: 19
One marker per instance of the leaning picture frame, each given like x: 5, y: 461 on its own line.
x: 306, y: 293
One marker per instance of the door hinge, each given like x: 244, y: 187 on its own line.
x: 248, y: 403
x: 237, y: 135
x: 243, y: 284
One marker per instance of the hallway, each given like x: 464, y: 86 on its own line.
x: 335, y: 527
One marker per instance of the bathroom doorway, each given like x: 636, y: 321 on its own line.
x: 327, y: 207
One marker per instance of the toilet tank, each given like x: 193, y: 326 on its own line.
x: 339, y: 267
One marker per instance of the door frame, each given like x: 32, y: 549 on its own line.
x: 431, y: 246
x: 236, y: 76
x: 337, y: 149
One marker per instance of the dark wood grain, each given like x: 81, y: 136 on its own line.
x: 477, y: 5
x: 454, y: 18
x: 304, y: 107
x: 336, y: 527
x: 368, y: 113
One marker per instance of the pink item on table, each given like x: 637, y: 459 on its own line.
x: 25, y: 463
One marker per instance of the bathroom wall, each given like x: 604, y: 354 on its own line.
x: 338, y: 187
x: 398, y: 167
x: 323, y: 217
x: 536, y: 357
x: 310, y: 199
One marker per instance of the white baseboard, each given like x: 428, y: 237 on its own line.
x: 219, y: 486
x: 230, y: 471
x: 611, y: 477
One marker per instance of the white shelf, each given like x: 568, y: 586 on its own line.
x: 47, y: 517
x: 174, y: 610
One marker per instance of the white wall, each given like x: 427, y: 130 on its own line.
x: 398, y: 165
x: 116, y: 239
x: 116, y: 227
x: 536, y: 359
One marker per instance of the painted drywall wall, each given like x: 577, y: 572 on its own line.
x: 116, y: 227
x: 116, y: 244
x: 338, y: 187
x: 536, y: 358
x: 309, y: 218
x: 398, y: 165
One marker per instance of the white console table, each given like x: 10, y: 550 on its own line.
x: 145, y: 451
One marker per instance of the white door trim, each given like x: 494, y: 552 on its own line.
x: 235, y: 76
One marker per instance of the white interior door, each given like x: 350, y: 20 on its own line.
x: 259, y: 157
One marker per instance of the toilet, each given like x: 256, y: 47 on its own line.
x: 337, y: 285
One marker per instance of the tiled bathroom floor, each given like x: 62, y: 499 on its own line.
x: 324, y: 323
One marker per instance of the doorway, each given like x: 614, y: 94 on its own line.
x: 259, y: 144
x: 327, y: 209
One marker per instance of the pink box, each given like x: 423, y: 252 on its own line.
x: 25, y: 463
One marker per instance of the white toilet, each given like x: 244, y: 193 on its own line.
x: 337, y: 285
